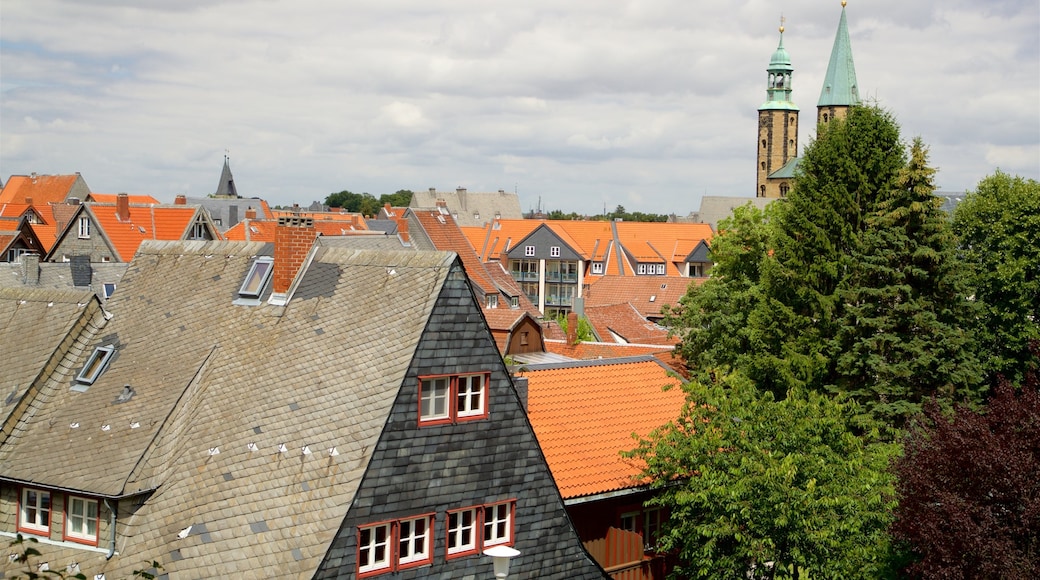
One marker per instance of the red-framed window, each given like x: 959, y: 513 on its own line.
x: 445, y: 399
x: 34, y: 511
x: 81, y: 520
x: 463, y: 532
x: 395, y: 545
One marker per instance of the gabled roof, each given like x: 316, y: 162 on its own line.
x: 584, y: 414
x: 655, y: 242
x: 498, y: 236
x: 471, y: 208
x: 43, y: 189
x: 839, y: 84
x: 646, y: 293
x: 227, y: 212
x: 444, y: 233
x: 111, y: 198
x: 13, y: 230
x: 623, y: 323
x: 205, y: 387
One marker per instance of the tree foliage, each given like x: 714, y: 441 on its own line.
x: 969, y: 495
x: 366, y: 203
x: 750, y: 480
x: 999, y: 228
x: 906, y: 331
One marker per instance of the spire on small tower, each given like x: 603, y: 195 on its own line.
x: 840, y: 88
x: 226, y: 186
x: 778, y: 83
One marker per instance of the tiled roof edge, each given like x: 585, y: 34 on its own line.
x: 590, y: 363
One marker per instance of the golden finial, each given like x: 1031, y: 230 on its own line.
x: 782, y: 22
x: 843, y: 3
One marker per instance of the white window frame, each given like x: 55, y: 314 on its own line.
x: 514, y: 302
x: 84, y: 227
x: 629, y: 521
x: 435, y: 392
x: 456, y: 544
x: 641, y: 269
x: 660, y: 269
x: 554, y: 251
x: 368, y: 550
x: 198, y: 231
x: 256, y: 280
x: 498, y: 523
x: 470, y: 395
x: 491, y: 301
x: 95, y: 365
x: 78, y: 521
x: 597, y: 267
x: 528, y: 251
x: 35, y: 510
x: 414, y: 547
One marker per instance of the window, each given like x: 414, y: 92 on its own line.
x: 15, y: 255
x: 462, y: 532
x: 84, y: 227
x: 106, y: 259
x: 373, y: 549
x: 256, y: 280
x: 395, y: 545
x: 660, y: 269
x: 597, y: 267
x: 514, y: 302
x: 449, y: 399
x: 34, y: 513
x: 629, y: 522
x: 198, y: 231
x: 554, y: 251
x: 652, y: 520
x: 81, y: 520
x: 109, y: 289
x: 641, y: 269
x: 31, y: 217
x: 491, y: 301
x: 528, y: 251
x: 96, y: 364
x: 498, y: 523
x: 413, y: 541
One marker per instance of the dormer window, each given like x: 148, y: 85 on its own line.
x: 96, y: 364
x: 514, y: 302
x: 491, y: 301
x: 257, y: 278
x: 597, y: 267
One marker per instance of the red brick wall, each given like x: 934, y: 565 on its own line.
x: 293, y: 238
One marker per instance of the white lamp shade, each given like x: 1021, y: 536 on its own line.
x: 501, y: 555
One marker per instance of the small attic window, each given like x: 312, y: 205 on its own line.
x: 95, y: 365
x: 257, y: 278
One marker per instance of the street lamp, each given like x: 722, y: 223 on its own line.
x: 501, y: 555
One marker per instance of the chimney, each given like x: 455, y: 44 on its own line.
x: 402, y: 231
x: 250, y: 213
x: 293, y: 238
x: 461, y: 191
x: 433, y: 191
x: 572, y: 328
x: 123, y: 207
x: 28, y: 201
x: 388, y: 209
x: 181, y: 200
x: 72, y: 201
x: 31, y: 269
x: 442, y: 203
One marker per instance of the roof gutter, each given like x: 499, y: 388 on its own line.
x: 112, y: 529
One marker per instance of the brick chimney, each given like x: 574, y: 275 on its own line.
x: 442, y: 203
x: 293, y: 238
x: 28, y: 201
x: 123, y: 207
x: 402, y: 231
x: 572, y: 328
x: 181, y: 200
x: 388, y: 209
x: 250, y: 213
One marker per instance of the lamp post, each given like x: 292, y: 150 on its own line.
x: 501, y: 556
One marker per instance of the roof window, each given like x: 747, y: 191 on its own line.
x: 256, y: 281
x: 96, y: 364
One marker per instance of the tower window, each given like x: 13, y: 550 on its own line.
x: 763, y: 165
x: 763, y: 143
x: 762, y: 191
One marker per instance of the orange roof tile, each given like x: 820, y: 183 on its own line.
x: 501, y: 236
x: 42, y: 189
x: 111, y: 198
x: 355, y: 219
x: 646, y: 293
x: 584, y: 415
x: 624, y: 321
x: 47, y: 234
x: 263, y: 230
x: 147, y: 222
x: 445, y: 234
x: 655, y: 242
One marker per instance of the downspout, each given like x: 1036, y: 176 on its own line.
x: 112, y: 526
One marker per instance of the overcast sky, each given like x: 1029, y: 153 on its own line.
x: 648, y: 104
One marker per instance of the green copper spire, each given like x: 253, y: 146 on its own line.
x: 778, y: 88
x: 839, y: 85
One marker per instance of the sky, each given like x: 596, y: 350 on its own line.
x: 576, y: 105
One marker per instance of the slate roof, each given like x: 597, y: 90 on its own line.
x: 584, y: 414
x: 235, y: 376
x: 471, y: 208
x: 230, y: 211
x: 112, y: 197
x: 36, y: 326
x: 646, y: 293
x: 58, y: 276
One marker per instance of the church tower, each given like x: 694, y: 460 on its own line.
x: 840, y: 90
x: 777, y: 125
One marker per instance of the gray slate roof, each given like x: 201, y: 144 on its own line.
x: 219, y: 377
x: 59, y: 275
x: 472, y: 208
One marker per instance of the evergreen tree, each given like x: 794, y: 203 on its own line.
x: 905, y: 331
x: 852, y: 163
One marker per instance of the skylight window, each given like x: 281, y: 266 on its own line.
x: 257, y: 278
x: 96, y: 364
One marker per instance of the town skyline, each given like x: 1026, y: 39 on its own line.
x: 582, y: 107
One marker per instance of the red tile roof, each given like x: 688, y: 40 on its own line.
x: 445, y: 234
x: 41, y: 189
x: 147, y: 222
x: 263, y: 230
x: 584, y: 415
x: 646, y: 293
x: 622, y: 320
x: 654, y: 242
x: 354, y: 219
x: 111, y: 198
